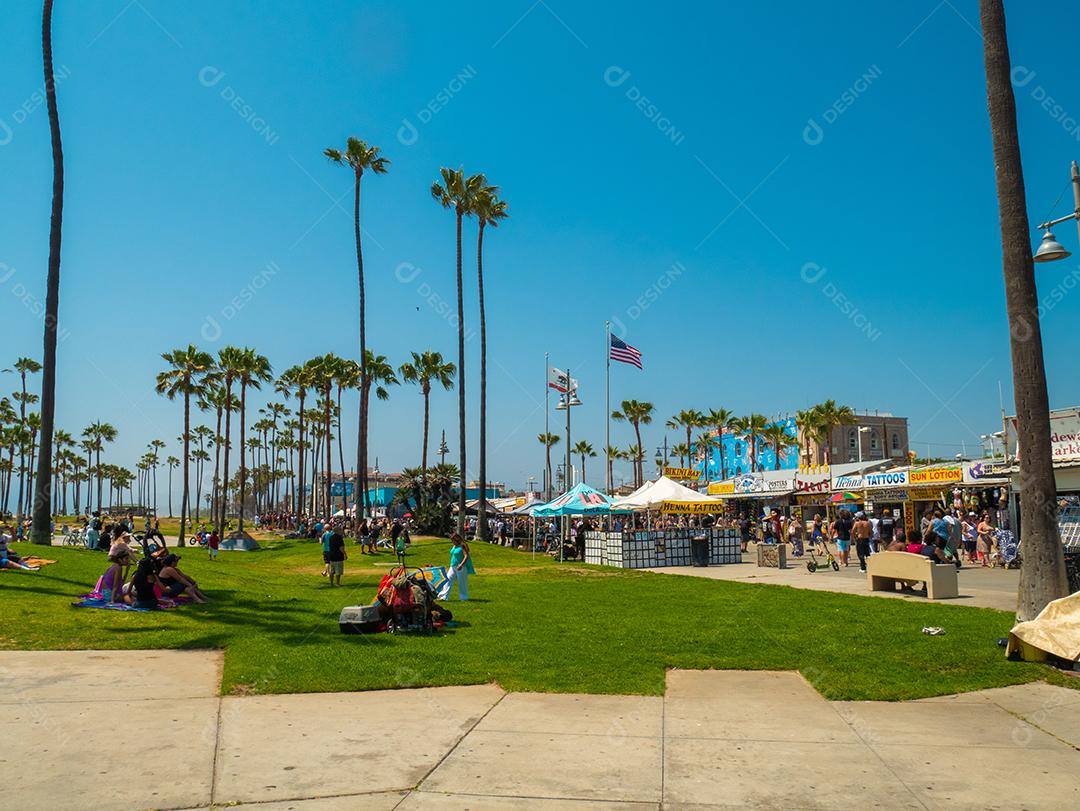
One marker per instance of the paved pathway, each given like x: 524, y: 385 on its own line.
x: 138, y: 730
x: 979, y: 586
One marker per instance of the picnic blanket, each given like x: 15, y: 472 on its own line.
x: 36, y: 561
x: 1055, y: 631
x: 95, y: 600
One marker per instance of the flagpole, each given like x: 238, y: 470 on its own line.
x: 547, y: 378
x: 607, y: 401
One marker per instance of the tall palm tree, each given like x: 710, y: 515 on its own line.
x: 253, y: 370
x: 778, y: 438
x: 323, y: 372
x: 751, y: 428
x: 360, y: 157
x: 682, y: 450
x: 705, y: 443
x: 637, y: 413
x: 613, y: 453
x: 89, y: 444
x: 33, y: 426
x: 489, y: 209
x: 24, y: 366
x: 41, y: 531
x: 380, y: 375
x: 230, y: 362
x: 155, y: 447
x: 425, y: 368
x: 833, y: 416
x: 188, y: 370
x: 720, y: 419
x: 689, y: 419
x: 347, y: 377
x: 100, y: 432
x: 1042, y: 577
x: 298, y: 378
x: 637, y: 458
x: 458, y: 193
x: 808, y: 424
x: 549, y: 441
x: 583, y: 449
x: 172, y: 463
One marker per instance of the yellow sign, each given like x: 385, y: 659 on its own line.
x: 926, y: 494
x: 688, y: 473
x: 519, y: 501
x: 936, y: 475
x: 721, y: 488
x: 692, y: 507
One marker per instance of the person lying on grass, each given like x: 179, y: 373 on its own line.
x: 175, y: 582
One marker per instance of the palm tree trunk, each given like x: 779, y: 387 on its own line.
x: 299, y: 492
x: 482, y: 510
x: 225, y: 463
x: 461, y: 385
x: 341, y: 457
x: 187, y: 446
x: 361, y: 500
x: 1042, y: 577
x: 243, y: 439
x: 639, y: 472
x: 329, y: 450
x: 170, y: 491
x: 215, y: 484
x: 97, y: 455
x: 424, y: 449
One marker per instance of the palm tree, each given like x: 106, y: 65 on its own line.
x: 380, y: 374
x: 188, y: 370
x: 548, y: 440
x: 89, y: 444
x: 637, y: 414
x: 347, y: 377
x: 612, y: 454
x: 682, y: 450
x: 299, y: 378
x: 324, y: 371
x: 750, y: 428
x: 808, y: 424
x: 777, y: 436
x: 100, y: 432
x: 489, y: 209
x: 41, y: 531
x: 688, y: 419
x: 33, y: 426
x: 427, y: 367
x: 720, y: 419
x: 24, y: 366
x: 833, y: 416
x: 459, y: 194
x: 1042, y: 577
x: 637, y: 458
x: 253, y: 370
x: 583, y: 449
x: 172, y: 463
x: 230, y: 363
x: 705, y: 443
x: 155, y: 447
x: 360, y: 157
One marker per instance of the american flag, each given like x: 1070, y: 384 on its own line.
x: 623, y: 352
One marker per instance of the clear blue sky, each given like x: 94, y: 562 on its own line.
x: 176, y: 201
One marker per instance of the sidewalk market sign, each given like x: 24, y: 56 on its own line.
x: 685, y: 473
x: 1064, y: 435
x: 692, y: 507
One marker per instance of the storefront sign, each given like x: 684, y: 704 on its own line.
x: 692, y: 508
x: 778, y: 485
x: 685, y: 473
x: 1064, y: 435
x: 848, y: 483
x: 721, y: 488
x: 810, y: 483
x: 889, y: 495
x: 936, y: 475
x: 975, y: 472
x: 811, y: 499
x: 748, y: 484
x: 925, y: 494
x: 895, y: 478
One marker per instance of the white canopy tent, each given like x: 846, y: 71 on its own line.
x: 654, y: 494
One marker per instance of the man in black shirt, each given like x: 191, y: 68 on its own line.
x: 337, y: 557
x: 886, y: 527
x: 744, y: 530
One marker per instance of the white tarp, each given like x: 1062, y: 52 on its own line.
x: 651, y: 496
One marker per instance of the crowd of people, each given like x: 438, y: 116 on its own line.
x: 143, y: 580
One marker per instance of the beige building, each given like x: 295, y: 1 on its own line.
x: 872, y: 437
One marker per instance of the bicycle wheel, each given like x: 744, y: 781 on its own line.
x: 811, y: 566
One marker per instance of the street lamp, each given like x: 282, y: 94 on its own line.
x: 566, y: 402
x: 862, y: 430
x: 1051, y: 250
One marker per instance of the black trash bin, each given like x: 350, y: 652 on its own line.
x: 699, y: 550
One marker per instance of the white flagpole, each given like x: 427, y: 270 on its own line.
x: 607, y: 401
x: 547, y: 473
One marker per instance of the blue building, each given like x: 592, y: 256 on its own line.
x: 737, y: 455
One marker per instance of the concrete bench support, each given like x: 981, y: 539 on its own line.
x: 885, y: 569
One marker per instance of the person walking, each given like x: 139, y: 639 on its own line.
x: 461, y: 566
x: 795, y: 532
x: 861, y: 532
x: 886, y: 528
x: 841, y: 533
x: 212, y: 544
x: 337, y: 557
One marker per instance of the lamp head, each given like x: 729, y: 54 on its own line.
x: 1050, y: 250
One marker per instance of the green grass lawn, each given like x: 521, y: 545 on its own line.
x: 537, y: 626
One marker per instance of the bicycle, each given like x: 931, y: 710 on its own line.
x: 74, y: 537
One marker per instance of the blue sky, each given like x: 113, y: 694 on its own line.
x: 777, y: 203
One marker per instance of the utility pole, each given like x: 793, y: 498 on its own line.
x: 443, y: 449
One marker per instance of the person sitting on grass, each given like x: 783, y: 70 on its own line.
x: 141, y: 589
x: 111, y: 584
x: 8, y: 559
x: 175, y: 582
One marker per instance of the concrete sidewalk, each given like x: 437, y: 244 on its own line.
x: 139, y: 730
x: 979, y: 586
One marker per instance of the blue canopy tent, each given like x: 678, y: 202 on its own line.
x: 578, y: 500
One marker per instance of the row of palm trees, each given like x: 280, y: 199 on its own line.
x: 814, y: 425
x: 287, y: 448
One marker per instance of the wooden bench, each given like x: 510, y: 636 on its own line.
x: 885, y: 569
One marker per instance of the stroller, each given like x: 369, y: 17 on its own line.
x: 407, y: 601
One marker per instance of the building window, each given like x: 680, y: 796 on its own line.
x: 896, y: 441
x: 873, y: 441
x: 853, y: 441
